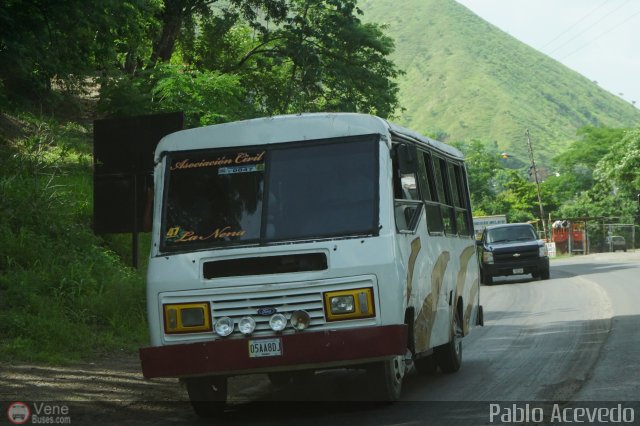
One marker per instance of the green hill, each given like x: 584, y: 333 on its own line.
x: 470, y: 80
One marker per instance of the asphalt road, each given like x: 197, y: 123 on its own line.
x: 573, y: 338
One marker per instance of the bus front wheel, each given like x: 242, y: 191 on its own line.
x: 208, y: 395
x: 387, y: 378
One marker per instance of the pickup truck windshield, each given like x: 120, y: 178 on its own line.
x: 258, y: 195
x: 511, y: 233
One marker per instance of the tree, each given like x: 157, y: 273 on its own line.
x: 178, y: 15
x: 48, y: 41
x: 520, y: 197
x: 577, y: 163
x: 620, y: 168
x: 319, y: 57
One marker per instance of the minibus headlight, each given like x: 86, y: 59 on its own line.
x: 300, y: 320
x: 349, y: 304
x: 224, y: 326
x: 246, y: 325
x: 343, y: 304
x: 278, y: 322
x: 186, y: 317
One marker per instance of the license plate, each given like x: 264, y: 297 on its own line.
x: 518, y: 271
x: 265, y: 347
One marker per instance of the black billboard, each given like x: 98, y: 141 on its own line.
x: 123, y: 150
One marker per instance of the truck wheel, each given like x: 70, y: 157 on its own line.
x: 386, y: 378
x: 449, y: 355
x: 208, y: 395
x: 545, y: 274
x: 487, y: 279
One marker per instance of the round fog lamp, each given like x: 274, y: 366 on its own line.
x: 277, y: 322
x: 300, y: 320
x: 246, y: 325
x: 224, y: 326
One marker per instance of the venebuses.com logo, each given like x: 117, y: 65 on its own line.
x: 20, y: 413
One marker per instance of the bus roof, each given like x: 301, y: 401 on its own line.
x: 291, y: 128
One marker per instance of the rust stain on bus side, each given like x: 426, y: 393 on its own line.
x: 465, y: 257
x: 416, y: 245
x: 426, y: 316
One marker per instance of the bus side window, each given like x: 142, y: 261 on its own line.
x: 405, y: 186
x: 444, y: 195
x: 435, y: 224
x: 461, y: 204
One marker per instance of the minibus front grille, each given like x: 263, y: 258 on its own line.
x: 260, y: 307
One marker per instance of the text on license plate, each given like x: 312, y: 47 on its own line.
x: 517, y: 271
x: 265, y: 347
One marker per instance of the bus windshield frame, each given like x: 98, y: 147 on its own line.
x: 322, y: 189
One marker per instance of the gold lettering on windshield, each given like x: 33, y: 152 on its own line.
x: 240, y: 158
x: 179, y: 235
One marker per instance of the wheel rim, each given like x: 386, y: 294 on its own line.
x: 457, y: 334
x: 397, y: 370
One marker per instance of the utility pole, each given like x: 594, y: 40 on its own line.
x: 535, y: 174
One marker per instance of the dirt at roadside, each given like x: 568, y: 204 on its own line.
x: 108, y: 391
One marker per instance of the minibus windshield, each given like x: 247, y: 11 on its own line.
x: 256, y: 195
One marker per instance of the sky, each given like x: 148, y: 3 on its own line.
x: 600, y: 39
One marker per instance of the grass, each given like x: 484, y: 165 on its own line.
x: 65, y: 294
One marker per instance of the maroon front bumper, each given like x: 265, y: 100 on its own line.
x: 328, y: 347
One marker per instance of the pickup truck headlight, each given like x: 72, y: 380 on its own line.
x: 487, y: 257
x: 542, y: 251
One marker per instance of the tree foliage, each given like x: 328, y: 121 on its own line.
x: 217, y: 60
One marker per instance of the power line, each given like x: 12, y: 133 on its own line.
x: 588, y: 28
x: 575, y: 24
x: 615, y: 27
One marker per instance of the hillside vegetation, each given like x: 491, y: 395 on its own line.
x: 467, y: 79
x: 64, y: 293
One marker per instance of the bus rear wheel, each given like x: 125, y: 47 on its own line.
x: 449, y: 355
x: 208, y: 395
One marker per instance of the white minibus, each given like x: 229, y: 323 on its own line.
x: 291, y: 244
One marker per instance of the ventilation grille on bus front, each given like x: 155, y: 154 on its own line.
x: 265, y: 265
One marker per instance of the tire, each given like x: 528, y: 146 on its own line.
x: 487, y: 279
x: 449, y: 355
x: 208, y: 395
x: 386, y: 379
x: 545, y: 274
